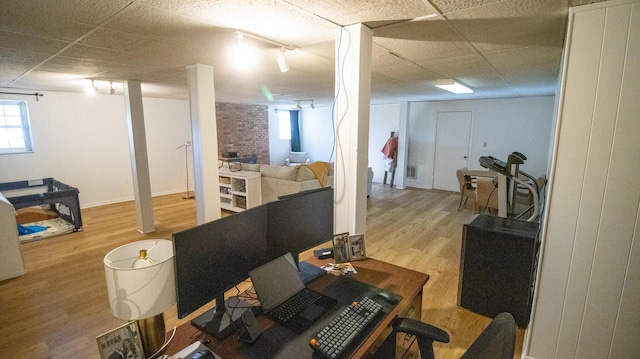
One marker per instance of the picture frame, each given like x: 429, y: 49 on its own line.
x: 341, y: 247
x: 348, y: 247
x: 356, y: 247
x: 121, y: 342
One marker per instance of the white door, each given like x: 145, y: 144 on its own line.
x: 453, y: 132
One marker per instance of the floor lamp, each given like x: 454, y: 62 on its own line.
x: 186, y: 146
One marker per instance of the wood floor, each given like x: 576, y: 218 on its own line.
x: 58, y: 308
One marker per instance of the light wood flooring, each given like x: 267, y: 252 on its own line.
x: 58, y: 308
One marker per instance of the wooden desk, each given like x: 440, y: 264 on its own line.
x: 408, y: 283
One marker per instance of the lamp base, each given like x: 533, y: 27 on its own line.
x: 152, y: 334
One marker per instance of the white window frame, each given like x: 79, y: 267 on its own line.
x: 6, y: 145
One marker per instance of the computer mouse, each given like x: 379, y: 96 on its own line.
x: 389, y: 297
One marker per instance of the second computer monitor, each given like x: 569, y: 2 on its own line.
x: 299, y: 222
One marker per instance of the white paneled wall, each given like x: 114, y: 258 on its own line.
x: 588, y: 297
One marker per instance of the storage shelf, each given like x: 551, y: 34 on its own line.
x: 239, y: 190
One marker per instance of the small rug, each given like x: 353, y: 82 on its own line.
x: 55, y: 227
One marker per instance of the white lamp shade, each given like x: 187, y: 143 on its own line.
x: 142, y: 292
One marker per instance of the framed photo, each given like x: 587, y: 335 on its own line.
x: 341, y: 247
x: 356, y: 247
x: 121, y: 342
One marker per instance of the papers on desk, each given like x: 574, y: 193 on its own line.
x: 339, y: 269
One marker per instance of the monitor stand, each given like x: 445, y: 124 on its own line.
x: 221, y: 322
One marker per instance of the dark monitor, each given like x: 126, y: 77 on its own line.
x: 214, y: 257
x: 299, y: 222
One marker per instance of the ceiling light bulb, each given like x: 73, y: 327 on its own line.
x: 91, y: 90
x: 111, y: 89
x: 453, y: 86
x: 282, y: 62
x: 243, y: 57
x: 298, y: 106
x: 312, y: 106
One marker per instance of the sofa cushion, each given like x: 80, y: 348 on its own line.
x: 304, y: 174
x: 285, y: 173
x: 253, y: 167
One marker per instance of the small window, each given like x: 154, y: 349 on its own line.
x: 15, y: 134
x: 285, y: 124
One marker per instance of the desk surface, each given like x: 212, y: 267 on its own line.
x: 406, y: 282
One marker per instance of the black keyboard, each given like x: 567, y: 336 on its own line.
x: 337, y: 335
x: 295, y: 304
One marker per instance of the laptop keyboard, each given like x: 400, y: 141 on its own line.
x: 337, y: 335
x: 295, y: 304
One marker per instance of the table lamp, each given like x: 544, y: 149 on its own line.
x: 141, y: 286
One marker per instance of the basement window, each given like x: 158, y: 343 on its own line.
x: 15, y: 133
x: 284, y: 122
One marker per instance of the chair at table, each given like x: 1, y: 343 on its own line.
x: 486, y: 195
x: 497, y: 340
x: 467, y: 189
x: 297, y: 158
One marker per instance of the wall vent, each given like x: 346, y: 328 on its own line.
x: 411, y: 172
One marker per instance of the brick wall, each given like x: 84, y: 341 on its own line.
x: 243, y: 129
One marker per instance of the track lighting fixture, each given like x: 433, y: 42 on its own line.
x: 282, y: 62
x: 299, y: 106
x: 93, y: 89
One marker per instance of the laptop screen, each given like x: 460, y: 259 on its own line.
x: 276, y: 281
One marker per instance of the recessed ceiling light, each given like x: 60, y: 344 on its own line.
x: 453, y: 86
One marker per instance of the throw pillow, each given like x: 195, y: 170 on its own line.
x: 304, y: 174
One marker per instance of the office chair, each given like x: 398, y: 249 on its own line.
x: 497, y: 341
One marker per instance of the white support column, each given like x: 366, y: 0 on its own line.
x: 202, y: 103
x: 353, y: 92
x: 139, y: 159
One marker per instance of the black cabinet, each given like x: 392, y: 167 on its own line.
x: 497, y: 266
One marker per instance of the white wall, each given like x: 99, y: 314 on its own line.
x: 83, y: 141
x: 506, y: 125
x: 588, y: 293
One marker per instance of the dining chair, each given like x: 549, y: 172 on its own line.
x: 486, y: 195
x: 467, y: 189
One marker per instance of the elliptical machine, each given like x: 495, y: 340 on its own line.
x: 507, y: 183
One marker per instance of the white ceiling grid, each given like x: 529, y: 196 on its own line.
x: 501, y: 48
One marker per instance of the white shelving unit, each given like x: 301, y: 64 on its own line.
x: 239, y: 190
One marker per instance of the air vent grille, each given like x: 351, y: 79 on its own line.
x: 411, y: 171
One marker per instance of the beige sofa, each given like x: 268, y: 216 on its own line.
x: 279, y: 181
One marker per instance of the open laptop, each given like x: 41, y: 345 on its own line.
x: 284, y: 297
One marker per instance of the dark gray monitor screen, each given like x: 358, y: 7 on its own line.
x: 300, y: 221
x: 216, y: 256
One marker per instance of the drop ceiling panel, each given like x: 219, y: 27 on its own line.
x: 448, y: 6
x: 503, y: 48
x: 460, y: 67
x: 42, y: 25
x: 511, y: 24
x: 31, y: 43
x: 362, y: 11
x: 82, y: 11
